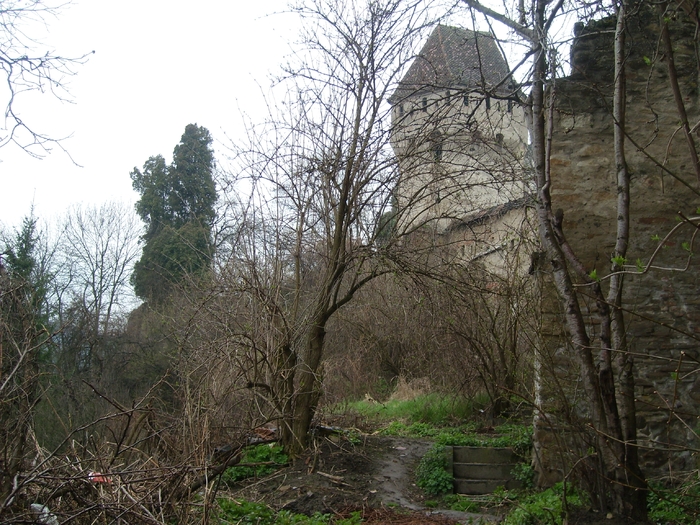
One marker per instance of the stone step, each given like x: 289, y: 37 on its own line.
x: 484, y: 455
x: 482, y: 470
x: 483, y: 486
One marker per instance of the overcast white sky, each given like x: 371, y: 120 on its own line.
x: 158, y: 66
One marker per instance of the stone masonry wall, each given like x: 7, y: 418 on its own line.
x: 663, y: 305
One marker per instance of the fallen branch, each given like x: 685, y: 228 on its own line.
x: 334, y: 479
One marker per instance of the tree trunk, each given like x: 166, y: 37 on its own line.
x: 624, y: 487
x: 308, y: 394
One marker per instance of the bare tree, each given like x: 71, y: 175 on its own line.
x: 100, y: 245
x: 90, y: 298
x: 26, y: 68
x: 322, y: 176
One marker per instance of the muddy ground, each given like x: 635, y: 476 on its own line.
x: 375, y: 476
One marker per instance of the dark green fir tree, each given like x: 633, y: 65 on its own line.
x: 178, y: 206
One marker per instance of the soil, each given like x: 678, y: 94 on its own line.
x: 375, y: 477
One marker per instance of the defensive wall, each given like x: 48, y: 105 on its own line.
x: 662, y: 305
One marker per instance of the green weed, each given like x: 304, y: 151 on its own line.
x: 432, y: 475
x: 251, y: 513
x: 419, y: 430
x: 517, y: 437
x: 259, y: 454
x: 461, y: 503
x: 544, y: 508
x: 354, y: 519
x: 678, y: 507
x: 500, y: 499
x: 525, y: 474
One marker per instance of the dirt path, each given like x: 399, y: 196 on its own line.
x: 337, y: 476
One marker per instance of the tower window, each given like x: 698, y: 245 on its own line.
x: 488, y: 102
x: 510, y: 106
x: 401, y: 110
x: 425, y: 104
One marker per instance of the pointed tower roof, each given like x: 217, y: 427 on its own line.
x: 455, y: 58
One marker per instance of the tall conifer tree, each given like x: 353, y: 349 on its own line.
x: 177, y: 205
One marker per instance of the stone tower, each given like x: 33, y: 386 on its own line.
x: 459, y: 135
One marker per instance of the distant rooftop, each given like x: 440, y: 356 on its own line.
x: 455, y: 58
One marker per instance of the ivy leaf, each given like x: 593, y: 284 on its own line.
x: 618, y: 260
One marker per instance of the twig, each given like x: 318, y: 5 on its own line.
x: 334, y: 479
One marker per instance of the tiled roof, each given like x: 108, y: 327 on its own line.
x: 494, y: 212
x: 455, y: 58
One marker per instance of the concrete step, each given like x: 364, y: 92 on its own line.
x: 482, y: 470
x: 483, y: 486
x: 483, y: 455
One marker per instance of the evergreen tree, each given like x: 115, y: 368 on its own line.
x: 26, y: 270
x: 155, y: 187
x: 177, y: 205
x: 169, y: 257
x: 193, y: 192
x: 23, y: 340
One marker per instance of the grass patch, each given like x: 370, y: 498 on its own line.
x: 250, y: 513
x: 433, y: 409
x: 518, y: 437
